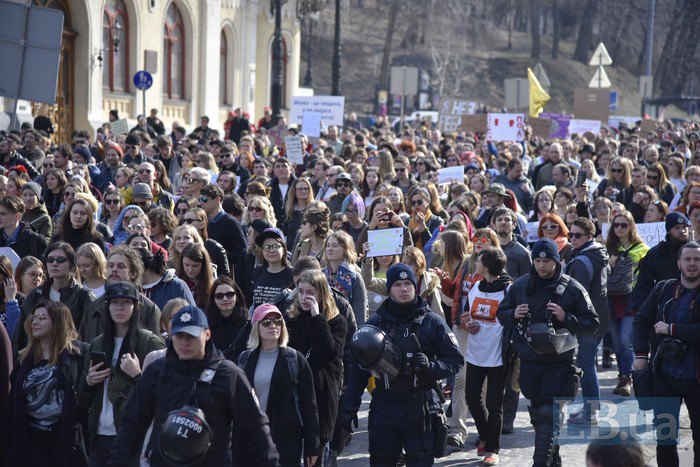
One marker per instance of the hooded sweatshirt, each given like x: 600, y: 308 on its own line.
x: 484, y: 348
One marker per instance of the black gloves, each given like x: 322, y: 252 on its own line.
x: 348, y: 420
x: 421, y: 363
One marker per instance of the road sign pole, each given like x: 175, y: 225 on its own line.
x: 144, y: 102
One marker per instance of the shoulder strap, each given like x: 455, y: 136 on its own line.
x: 293, y: 364
x: 243, y: 358
x: 587, y: 263
x: 626, y: 252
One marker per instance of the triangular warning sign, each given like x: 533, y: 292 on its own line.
x: 600, y: 56
x: 600, y: 79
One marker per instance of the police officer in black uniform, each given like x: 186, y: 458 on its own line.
x: 548, y: 308
x: 418, y: 351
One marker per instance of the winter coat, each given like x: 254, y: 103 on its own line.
x: 40, y: 220
x: 287, y: 432
x: 92, y: 324
x: 322, y: 342
x: 277, y: 200
x: 589, y: 266
x: 166, y: 385
x: 28, y: 243
x: 218, y: 257
x: 169, y: 287
x: 659, y: 264
x: 230, y: 335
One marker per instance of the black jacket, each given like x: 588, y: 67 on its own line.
x: 28, y: 243
x: 589, y: 266
x: 322, y: 341
x: 580, y: 318
x: 287, y: 433
x: 228, y: 231
x: 17, y: 159
x: 277, y: 200
x: 92, y: 324
x: 659, y: 264
x: 166, y: 385
x: 218, y: 256
x: 230, y: 335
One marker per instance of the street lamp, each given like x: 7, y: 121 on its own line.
x: 277, y: 63
x: 308, y: 79
x: 115, y: 34
x: 335, y: 86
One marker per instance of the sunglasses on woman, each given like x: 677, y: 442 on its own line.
x: 111, y: 201
x: 191, y: 220
x: 58, y: 259
x: 255, y: 209
x: 225, y: 295
x: 576, y: 235
x: 267, y: 322
x: 550, y: 227
x: 620, y: 225
x: 483, y: 240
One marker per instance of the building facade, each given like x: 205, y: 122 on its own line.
x: 206, y: 57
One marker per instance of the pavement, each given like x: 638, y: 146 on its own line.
x: 517, y: 448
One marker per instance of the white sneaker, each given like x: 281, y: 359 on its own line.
x: 491, y: 458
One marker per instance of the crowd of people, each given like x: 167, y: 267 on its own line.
x: 202, y: 281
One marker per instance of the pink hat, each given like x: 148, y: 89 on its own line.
x: 263, y: 310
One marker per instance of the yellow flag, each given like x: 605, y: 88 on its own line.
x: 538, y: 96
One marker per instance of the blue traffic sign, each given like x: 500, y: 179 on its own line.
x: 143, y: 80
x: 613, y: 100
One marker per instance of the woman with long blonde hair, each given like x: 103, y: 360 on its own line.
x: 258, y: 207
x: 343, y: 274
x: 317, y: 330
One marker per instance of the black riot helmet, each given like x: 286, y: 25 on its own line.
x: 185, y: 436
x: 544, y: 340
x: 374, y: 352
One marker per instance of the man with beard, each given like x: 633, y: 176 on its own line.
x: 660, y: 263
x: 503, y: 222
x: 31, y: 151
x: 343, y: 186
x: 667, y: 320
x: 123, y: 264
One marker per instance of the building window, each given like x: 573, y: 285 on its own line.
x: 223, y: 71
x: 115, y: 67
x: 174, y: 54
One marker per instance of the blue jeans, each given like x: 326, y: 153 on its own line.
x: 621, y: 330
x: 586, y: 360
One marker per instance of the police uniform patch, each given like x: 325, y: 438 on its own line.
x: 560, y: 289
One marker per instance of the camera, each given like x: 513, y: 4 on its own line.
x: 673, y: 350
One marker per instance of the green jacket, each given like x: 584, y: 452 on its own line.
x: 39, y: 219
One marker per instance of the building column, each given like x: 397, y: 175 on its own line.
x: 209, y: 61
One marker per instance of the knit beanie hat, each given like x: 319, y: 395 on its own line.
x: 34, y: 186
x: 545, y: 248
x: 399, y: 272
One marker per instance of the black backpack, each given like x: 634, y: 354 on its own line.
x: 621, y: 276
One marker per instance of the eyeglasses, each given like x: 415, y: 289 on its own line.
x: 399, y: 170
x: 420, y: 163
x: 342, y: 184
x: 56, y: 259
x: 48, y: 165
x: 550, y: 227
x: 620, y: 225
x: 67, y: 194
x: 267, y: 322
x: 576, y: 235
x: 617, y: 171
x: 225, y: 295
x: 145, y: 171
x: 137, y: 227
x: 193, y: 180
x: 191, y: 220
x: 111, y: 201
x: 417, y: 202
x: 226, y: 155
x: 255, y: 209
x: 127, y: 219
x: 35, y: 275
x: 483, y: 240
x: 274, y: 247
x: 129, y: 146
x: 652, y: 177
x: 181, y: 210
x: 203, y: 199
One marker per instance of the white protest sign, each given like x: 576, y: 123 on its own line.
x: 451, y: 174
x: 579, y: 127
x: 11, y: 255
x: 120, y: 127
x: 331, y: 109
x: 651, y: 233
x: 294, y: 151
x: 530, y: 232
x: 615, y: 120
x: 385, y: 242
x: 311, y: 124
x: 506, y: 127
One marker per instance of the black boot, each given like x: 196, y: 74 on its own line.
x: 607, y: 359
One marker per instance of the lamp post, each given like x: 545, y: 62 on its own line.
x: 115, y: 34
x: 308, y: 80
x: 335, y: 87
x: 277, y: 63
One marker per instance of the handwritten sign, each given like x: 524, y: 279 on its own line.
x: 120, y: 127
x: 311, y: 124
x: 385, y: 242
x: 614, y: 121
x: 277, y: 134
x: 294, y: 151
x: 451, y: 174
x: 651, y: 233
x: 451, y: 112
x: 530, y: 232
x: 579, y: 127
x: 506, y: 127
x: 330, y: 108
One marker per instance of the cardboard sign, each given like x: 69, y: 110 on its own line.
x: 647, y: 126
x: 561, y: 124
x: 385, y: 242
x: 476, y: 123
x: 330, y: 108
x: 294, y: 151
x: 592, y: 104
x: 120, y: 127
x: 311, y: 124
x: 451, y: 112
x: 541, y: 127
x: 579, y: 127
x: 277, y: 134
x: 530, y: 232
x: 451, y: 174
x: 506, y: 127
x: 651, y: 233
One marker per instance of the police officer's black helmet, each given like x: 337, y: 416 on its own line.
x: 185, y: 436
x: 374, y: 352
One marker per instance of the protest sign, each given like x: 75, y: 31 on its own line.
x: 541, y: 127
x: 505, y: 127
x: 579, y: 127
x: 294, y: 151
x: 385, y: 242
x: 474, y: 123
x: 311, y: 124
x: 331, y: 109
x: 530, y: 232
x: 651, y: 233
x: 277, y: 134
x: 11, y: 255
x: 120, y: 127
x: 560, y: 126
x: 592, y: 104
x: 451, y: 174
x: 615, y: 120
x: 451, y: 112
x: 647, y: 126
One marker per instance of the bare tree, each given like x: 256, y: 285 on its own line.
x: 386, y: 55
x: 556, y: 29
x: 535, y: 28
x: 441, y: 56
x: 585, y: 32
